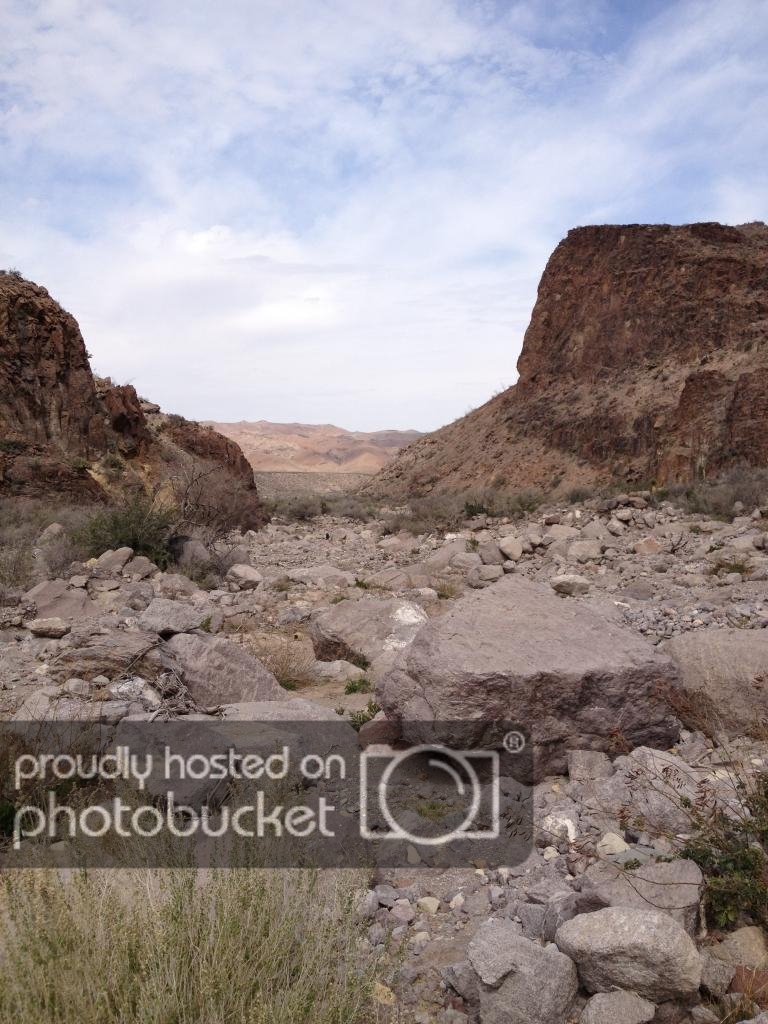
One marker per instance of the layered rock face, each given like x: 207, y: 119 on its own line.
x: 646, y: 359
x: 58, y: 423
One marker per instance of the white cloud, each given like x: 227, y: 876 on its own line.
x: 340, y: 211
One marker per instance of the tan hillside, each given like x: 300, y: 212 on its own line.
x: 315, y: 448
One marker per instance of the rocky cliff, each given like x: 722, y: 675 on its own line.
x: 64, y: 431
x: 646, y: 359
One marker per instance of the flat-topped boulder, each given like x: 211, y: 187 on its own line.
x: 569, y: 671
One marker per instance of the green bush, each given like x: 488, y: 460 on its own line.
x: 732, y: 851
x: 358, y: 718
x: 137, y: 521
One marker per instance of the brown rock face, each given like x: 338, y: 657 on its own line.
x: 47, y: 392
x: 646, y: 358
x: 57, y: 421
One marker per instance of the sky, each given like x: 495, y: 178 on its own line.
x: 338, y: 211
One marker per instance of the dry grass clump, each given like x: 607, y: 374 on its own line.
x: 444, y: 512
x: 290, y: 660
x: 745, y: 484
x: 22, y: 520
x: 240, y: 946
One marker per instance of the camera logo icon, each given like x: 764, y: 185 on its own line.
x: 468, y: 778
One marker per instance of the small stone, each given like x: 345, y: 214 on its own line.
x: 428, y: 905
x: 570, y: 584
x: 611, y: 844
x: 51, y: 628
x: 511, y: 548
x: 617, y: 1008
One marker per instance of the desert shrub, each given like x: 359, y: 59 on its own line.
x: 113, y: 466
x: 297, y: 508
x: 358, y: 686
x: 138, y: 520
x: 290, y: 663
x: 12, y: 446
x: 212, y: 503
x: 579, y: 494
x: 446, y: 590
x: 726, y: 832
x: 732, y: 851
x: 358, y: 718
x: 266, y: 947
x: 16, y: 565
x: 348, y: 506
x: 744, y: 484
x: 21, y: 522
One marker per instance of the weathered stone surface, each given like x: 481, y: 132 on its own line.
x: 672, y: 886
x: 648, y: 787
x: 110, y: 655
x: 217, y: 671
x: 516, y: 651
x: 112, y: 561
x: 55, y: 628
x: 55, y: 600
x: 716, y: 974
x: 51, y: 705
x: 588, y: 765
x: 721, y: 670
x: 617, y: 1008
x: 569, y: 585
x: 244, y: 576
x: 511, y: 548
x: 746, y: 947
x: 368, y: 630
x: 295, y: 710
x: 322, y: 576
x: 492, y: 951
x: 166, y: 617
x: 534, y: 985
x: 637, y: 950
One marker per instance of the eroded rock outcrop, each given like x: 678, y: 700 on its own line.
x: 646, y: 358
x: 65, y: 432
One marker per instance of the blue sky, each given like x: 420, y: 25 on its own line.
x: 334, y: 211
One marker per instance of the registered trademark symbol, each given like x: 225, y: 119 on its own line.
x: 514, y: 742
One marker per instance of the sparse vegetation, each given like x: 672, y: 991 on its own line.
x: 138, y: 521
x: 447, y: 590
x: 731, y: 848
x: 290, y: 662
x: 358, y: 686
x: 359, y: 718
x: 745, y: 484
x: 267, y: 947
x: 21, y: 522
x: 726, y: 834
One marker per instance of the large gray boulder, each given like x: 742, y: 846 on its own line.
x: 166, y: 617
x: 521, y: 982
x: 113, y: 654
x: 570, y: 672
x: 55, y: 599
x: 641, y: 951
x: 366, y: 632
x: 672, y: 886
x: 216, y: 671
x: 720, y: 673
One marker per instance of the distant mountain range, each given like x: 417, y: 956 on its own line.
x: 315, y: 448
